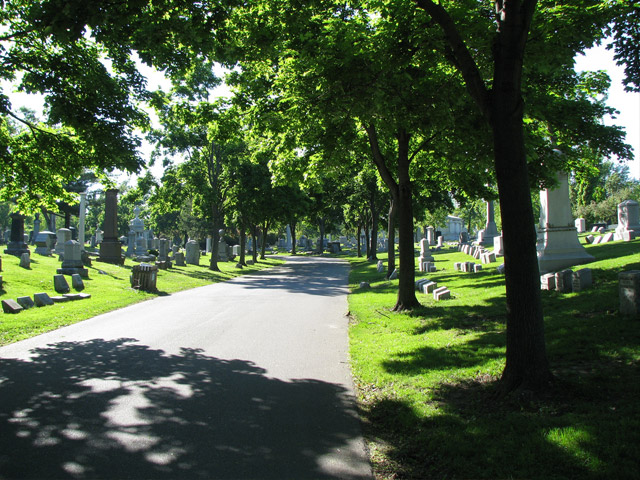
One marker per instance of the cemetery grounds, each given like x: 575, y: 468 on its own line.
x: 426, y: 380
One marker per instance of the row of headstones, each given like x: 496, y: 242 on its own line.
x: 606, y: 238
x: 429, y: 287
x: 567, y: 281
x: 43, y: 299
x: 479, y: 253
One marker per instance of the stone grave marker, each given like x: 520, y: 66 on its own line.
x: 76, y: 282
x: 60, y: 284
x: 548, y: 281
x: 629, y: 292
x: 25, y: 302
x: 42, y: 299
x: 394, y: 275
x: 564, y: 281
x: 192, y: 253
x: 25, y: 260
x: 178, y: 257
x: 582, y: 279
x: 11, y: 306
x: 628, y: 220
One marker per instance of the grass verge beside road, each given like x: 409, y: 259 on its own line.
x: 109, y: 286
x: 426, y: 379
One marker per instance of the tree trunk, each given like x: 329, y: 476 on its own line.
x: 527, y: 365
x: 366, y: 239
x: 263, y: 246
x: 373, y: 248
x: 292, y: 224
x: 243, y: 244
x: 391, y: 229
x: 215, y: 239
x: 407, y: 276
x: 358, y: 240
x: 320, y: 247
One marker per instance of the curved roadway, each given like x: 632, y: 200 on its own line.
x: 243, y: 379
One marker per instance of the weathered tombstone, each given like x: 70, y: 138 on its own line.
x: 365, y: 286
x: 589, y: 238
x: 380, y: 266
x: 498, y: 245
x: 76, y: 282
x: 628, y: 219
x: 63, y: 236
x: 11, y: 306
x: 72, y: 262
x: 463, y: 237
x: 429, y: 287
x: 17, y: 246
x: 490, y: 229
x: 394, y: 275
x: 564, y: 281
x: 581, y: 225
x: 42, y: 299
x: 440, y: 241
x: 110, y: 247
x: 420, y: 283
x: 60, y: 284
x: 45, y: 241
x: 36, y: 228
x: 236, y: 250
x: 582, y: 279
x: 629, y: 291
x: 179, y: 259
x: 425, y: 254
x: 477, y: 267
x: 163, y: 253
x: 81, y: 220
x: 25, y: 260
x: 548, y: 281
x: 144, y: 277
x: 208, y: 244
x: 223, y: 249
x: 192, y: 253
x: 25, y: 302
x: 559, y: 246
x: 607, y: 237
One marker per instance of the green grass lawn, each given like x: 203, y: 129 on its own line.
x: 109, y: 286
x: 426, y: 380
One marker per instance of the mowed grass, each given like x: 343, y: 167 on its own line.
x: 109, y: 286
x: 426, y: 380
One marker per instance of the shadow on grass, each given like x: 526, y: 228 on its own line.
x: 118, y: 409
x: 583, y: 428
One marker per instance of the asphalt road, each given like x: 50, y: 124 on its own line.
x: 243, y: 379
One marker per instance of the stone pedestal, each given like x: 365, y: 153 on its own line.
x: 110, y: 247
x: 45, y: 241
x: 17, y: 246
x: 559, y: 246
x: 72, y: 263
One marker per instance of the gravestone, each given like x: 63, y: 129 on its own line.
x: 72, y: 262
x: 463, y: 237
x: 76, y: 282
x: 628, y: 220
x: 192, y: 256
x: 582, y: 279
x: 60, y: 284
x: 42, y: 299
x: 163, y: 252
x: 380, y: 266
x: 110, y: 247
x: 559, y: 246
x: 25, y: 260
x: 236, y: 250
x: 63, y: 236
x: 394, y: 275
x: 11, y: 306
x: 564, y: 281
x: 81, y: 220
x: 36, y: 228
x: 498, y: 245
x: 431, y: 239
x: 179, y: 259
x: 425, y: 254
x: 629, y: 292
x: 45, y: 241
x: 17, y: 246
x: 223, y: 249
x: 548, y: 281
x: 581, y: 225
x: 25, y: 302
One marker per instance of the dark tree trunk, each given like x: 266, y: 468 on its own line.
x: 243, y: 244
x: 407, y: 276
x: 373, y: 248
x: 366, y: 240
x: 358, y: 240
x: 215, y: 240
x: 320, y: 247
x: 527, y: 365
x: 391, y: 229
x: 293, y: 237
x: 263, y: 246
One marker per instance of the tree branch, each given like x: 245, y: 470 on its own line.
x: 378, y: 159
x: 463, y: 59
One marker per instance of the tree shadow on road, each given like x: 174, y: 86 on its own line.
x: 118, y: 409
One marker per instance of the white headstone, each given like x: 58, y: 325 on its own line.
x: 628, y: 219
x: 192, y: 256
